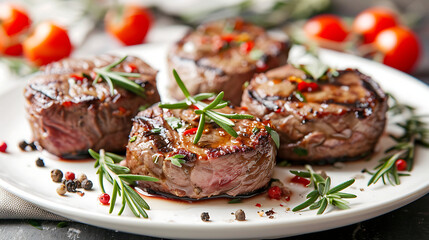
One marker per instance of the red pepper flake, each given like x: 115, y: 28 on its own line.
x: 275, y: 192
x: 281, y: 205
x: 122, y: 110
x: 76, y: 77
x: 258, y: 205
x: 287, y: 198
x: 190, y: 131
x: 401, y: 165
x: 261, y: 66
x: 300, y: 180
x: 3, y: 147
x: 80, y: 193
x: 244, y: 108
x: 67, y: 104
x: 307, y: 86
x: 130, y: 67
x: 279, y: 110
x: 194, y: 107
x: 246, y: 47
x: 228, y: 37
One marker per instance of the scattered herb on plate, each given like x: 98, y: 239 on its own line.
x: 121, y: 180
x: 323, y: 195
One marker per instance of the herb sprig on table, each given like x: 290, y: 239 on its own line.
x: 206, y: 111
x: 120, y: 79
x: 323, y: 195
x: 121, y: 180
x: 415, y: 132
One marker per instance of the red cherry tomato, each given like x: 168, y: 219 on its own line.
x: 372, y: 21
x: 13, y: 19
x: 400, y: 46
x: 326, y: 27
x: 129, y: 24
x: 49, y: 42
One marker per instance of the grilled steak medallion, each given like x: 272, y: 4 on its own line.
x: 340, y: 119
x: 218, y: 164
x: 221, y: 56
x: 68, y: 114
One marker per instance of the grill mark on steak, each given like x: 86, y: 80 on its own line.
x: 218, y: 165
x: 340, y: 121
x: 68, y: 116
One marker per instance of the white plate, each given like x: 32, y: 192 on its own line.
x: 173, y: 219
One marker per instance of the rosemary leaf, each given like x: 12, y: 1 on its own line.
x: 200, y: 128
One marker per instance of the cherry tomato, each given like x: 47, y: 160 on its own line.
x: 326, y: 27
x: 400, y: 46
x: 49, y: 42
x: 129, y: 24
x: 13, y: 19
x: 372, y: 21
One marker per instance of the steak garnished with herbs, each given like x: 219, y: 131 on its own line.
x: 222, y: 56
x: 72, y: 109
x: 336, y: 116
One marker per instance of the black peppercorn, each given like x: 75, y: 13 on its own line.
x: 240, y: 215
x: 205, y: 217
x: 22, y: 145
x: 32, y: 146
x: 40, y: 163
x: 71, y: 186
x: 87, y: 184
x: 56, y: 175
x: 78, y: 183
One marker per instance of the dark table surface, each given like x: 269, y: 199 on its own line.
x: 408, y: 222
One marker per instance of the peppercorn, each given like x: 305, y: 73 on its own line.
x: 82, y: 177
x: 70, y: 176
x: 32, y: 146
x: 71, y: 186
x: 23, y: 145
x: 87, y: 184
x: 78, y: 183
x: 56, y: 175
x: 61, y: 190
x: 240, y: 215
x: 40, y: 163
x: 205, y: 217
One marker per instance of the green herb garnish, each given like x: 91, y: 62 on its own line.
x: 206, y: 110
x: 323, y: 195
x: 256, y: 54
x: 177, y: 160
x: 120, y: 79
x: 133, y: 138
x: 274, y: 135
x: 35, y: 224
x: 174, y: 122
x: 62, y: 224
x: 121, y: 180
x: 235, y: 200
x: 415, y: 132
x: 316, y: 69
x: 300, y: 151
x: 156, y: 130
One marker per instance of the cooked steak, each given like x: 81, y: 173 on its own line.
x: 340, y: 118
x: 218, y: 164
x: 221, y: 56
x: 68, y: 114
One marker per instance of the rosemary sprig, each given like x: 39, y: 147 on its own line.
x: 177, y: 159
x: 415, y: 132
x: 206, y: 110
x: 323, y: 195
x: 120, y: 79
x: 121, y: 180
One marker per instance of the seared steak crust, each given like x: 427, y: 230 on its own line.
x: 341, y: 121
x: 221, y: 56
x: 68, y: 114
x: 218, y: 164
